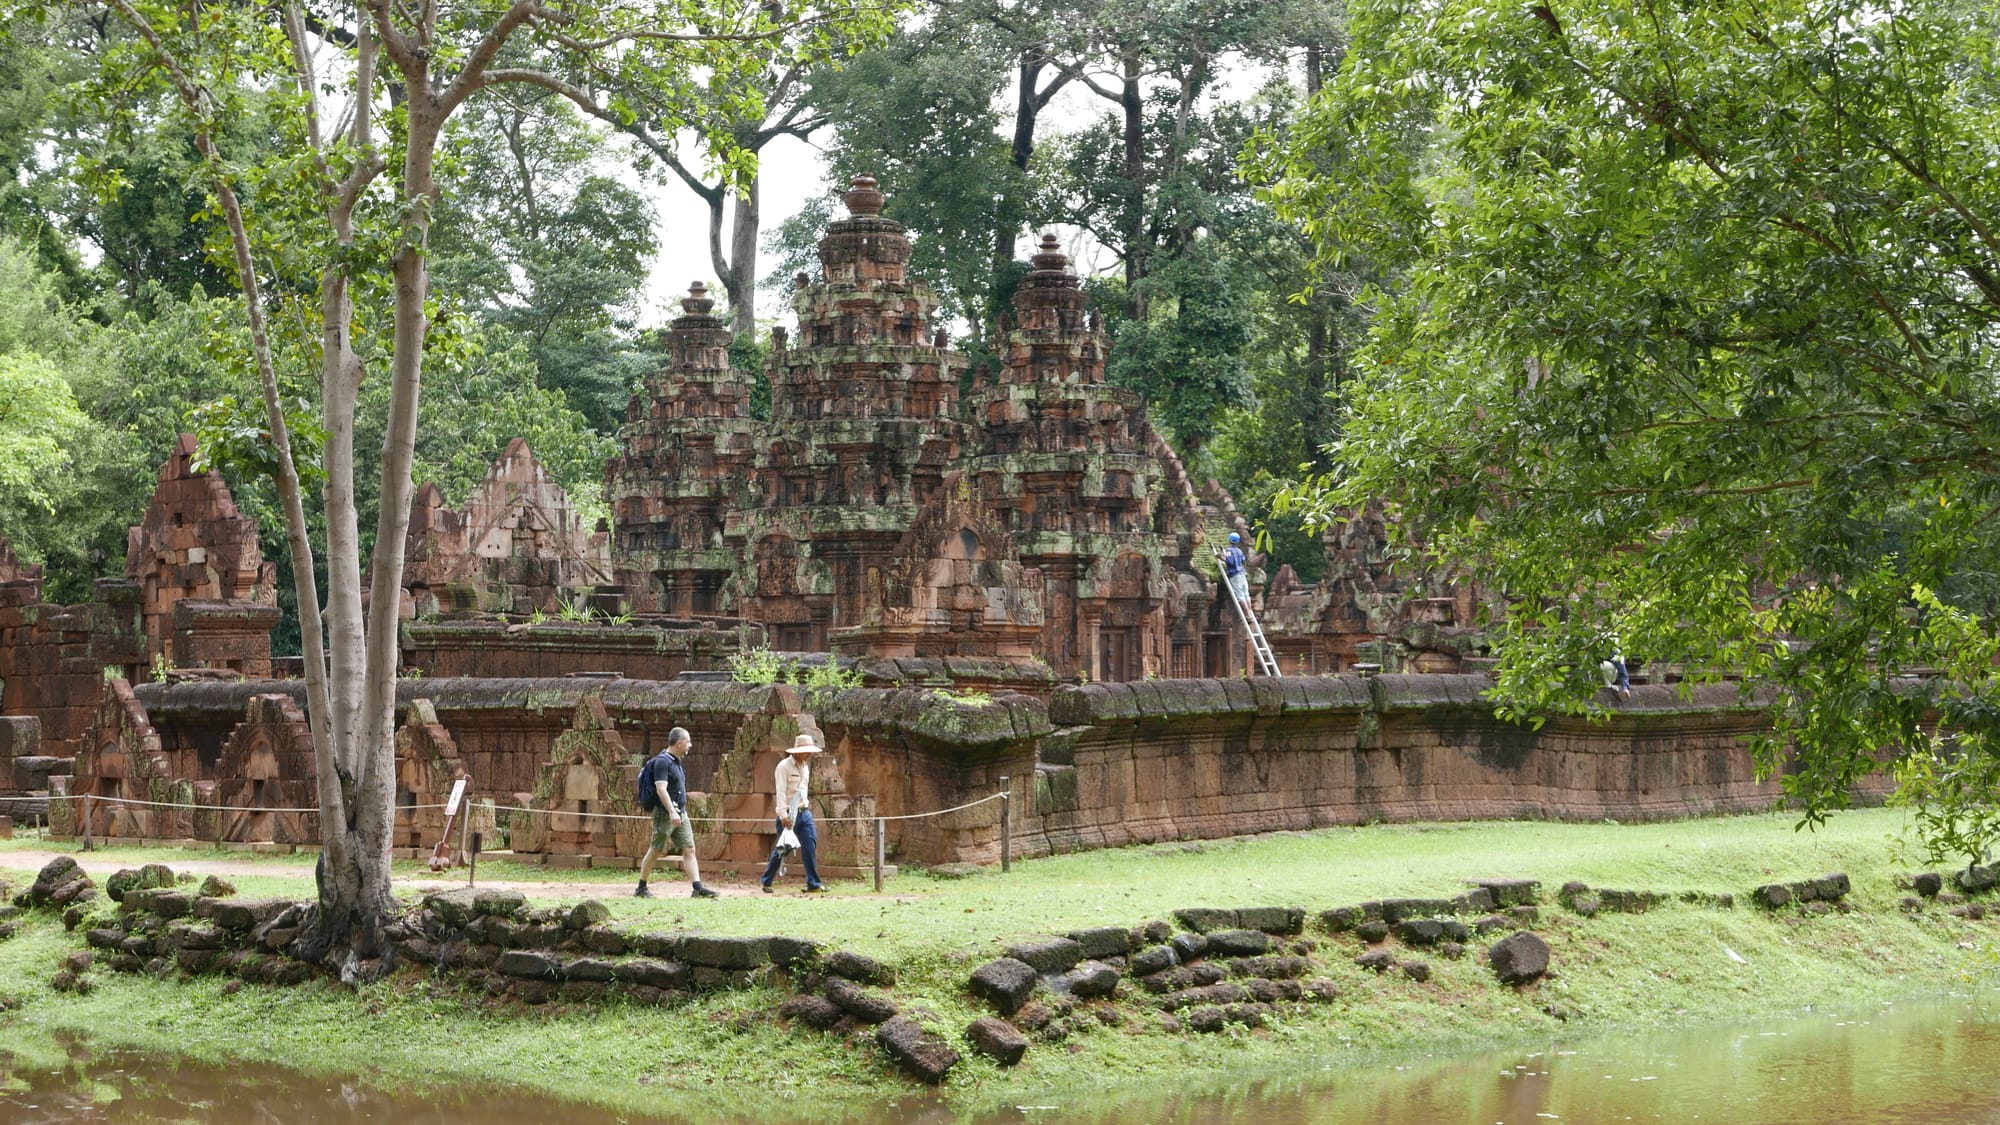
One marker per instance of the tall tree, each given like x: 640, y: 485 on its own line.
x: 325, y: 195
x: 918, y: 114
x: 541, y: 240
x: 1695, y: 348
x: 783, y: 111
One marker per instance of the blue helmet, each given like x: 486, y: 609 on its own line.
x: 1235, y: 538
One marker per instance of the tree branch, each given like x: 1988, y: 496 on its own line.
x: 471, y: 76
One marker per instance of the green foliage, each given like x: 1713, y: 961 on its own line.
x: 757, y: 666
x: 1186, y: 355
x: 539, y: 244
x: 484, y: 397
x: 37, y: 416
x: 823, y: 679
x: 820, y: 678
x: 1693, y: 348
x: 746, y: 354
x: 919, y: 114
x: 234, y: 434
x: 46, y: 442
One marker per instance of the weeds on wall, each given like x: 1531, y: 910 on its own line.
x: 820, y: 679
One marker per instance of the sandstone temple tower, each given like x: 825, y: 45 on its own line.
x: 877, y: 515
x: 1089, y: 494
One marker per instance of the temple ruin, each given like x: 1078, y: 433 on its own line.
x: 1017, y: 564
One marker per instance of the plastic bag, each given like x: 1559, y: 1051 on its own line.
x: 788, y: 840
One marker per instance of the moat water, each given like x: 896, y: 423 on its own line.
x: 1913, y: 1063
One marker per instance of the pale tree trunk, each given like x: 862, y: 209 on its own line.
x: 345, y: 930
x: 352, y: 686
x: 736, y: 269
x: 348, y: 930
x: 290, y: 497
x: 739, y: 278
x: 289, y: 494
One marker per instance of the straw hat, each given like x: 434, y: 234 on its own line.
x: 804, y: 744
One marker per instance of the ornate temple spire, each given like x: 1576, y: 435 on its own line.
x: 864, y: 250
x: 1054, y: 339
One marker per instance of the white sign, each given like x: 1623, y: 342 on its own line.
x: 457, y: 792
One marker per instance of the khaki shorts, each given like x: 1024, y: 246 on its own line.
x: 665, y: 830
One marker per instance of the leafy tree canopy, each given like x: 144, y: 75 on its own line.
x: 1695, y: 349
x: 37, y: 416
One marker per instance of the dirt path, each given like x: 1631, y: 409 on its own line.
x: 28, y: 862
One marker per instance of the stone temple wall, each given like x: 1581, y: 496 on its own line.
x: 654, y: 649
x: 1132, y: 763
x: 193, y: 544
x: 1104, y: 765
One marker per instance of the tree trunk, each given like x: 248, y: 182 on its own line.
x: 1136, y: 254
x: 348, y: 928
x: 289, y: 495
x: 1027, y: 111
x: 739, y: 278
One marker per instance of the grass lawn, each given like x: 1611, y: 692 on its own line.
x: 1668, y: 967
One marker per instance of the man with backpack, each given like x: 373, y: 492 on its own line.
x: 663, y: 792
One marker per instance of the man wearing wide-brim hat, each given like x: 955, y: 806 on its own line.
x: 794, y: 776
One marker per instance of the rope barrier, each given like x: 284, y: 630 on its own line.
x: 534, y: 812
x: 193, y: 807
x: 750, y: 819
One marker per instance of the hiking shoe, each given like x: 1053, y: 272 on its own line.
x: 815, y: 890
x: 767, y: 888
x: 642, y: 892
x: 702, y: 892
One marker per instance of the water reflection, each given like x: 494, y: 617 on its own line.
x: 1926, y: 1063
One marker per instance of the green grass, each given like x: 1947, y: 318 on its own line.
x: 1665, y: 968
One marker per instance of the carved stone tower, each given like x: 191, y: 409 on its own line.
x: 688, y: 443
x: 864, y: 406
x: 1090, y: 497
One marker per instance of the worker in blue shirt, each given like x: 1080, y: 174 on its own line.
x: 1232, y: 568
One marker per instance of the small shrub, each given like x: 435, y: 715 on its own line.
x: 756, y: 666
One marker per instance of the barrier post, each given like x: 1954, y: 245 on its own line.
x: 87, y: 845
x: 881, y: 827
x: 1006, y: 823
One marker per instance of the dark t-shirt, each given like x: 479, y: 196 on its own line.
x: 662, y: 766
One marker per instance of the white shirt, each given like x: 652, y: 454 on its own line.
x: 792, y: 778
